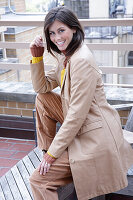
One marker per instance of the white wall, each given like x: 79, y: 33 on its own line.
x: 129, y: 6
x: 98, y: 8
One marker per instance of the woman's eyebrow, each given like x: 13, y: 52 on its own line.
x: 60, y: 27
x: 51, y: 31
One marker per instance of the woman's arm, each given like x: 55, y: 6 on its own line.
x: 41, y: 83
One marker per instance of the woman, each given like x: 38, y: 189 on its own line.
x: 89, y: 148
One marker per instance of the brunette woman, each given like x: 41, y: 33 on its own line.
x: 89, y: 148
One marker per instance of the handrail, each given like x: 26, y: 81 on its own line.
x: 39, y: 22
x: 104, y: 69
x: 85, y: 22
x: 92, y: 46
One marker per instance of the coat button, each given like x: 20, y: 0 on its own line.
x: 72, y: 161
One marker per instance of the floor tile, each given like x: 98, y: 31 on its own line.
x: 3, y: 171
x: 4, y: 145
x: 21, y: 147
x: 6, y: 153
x: 19, y: 155
x: 16, y: 141
x: 6, y: 162
x: 13, y: 150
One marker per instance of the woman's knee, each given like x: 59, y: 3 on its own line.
x: 35, y: 177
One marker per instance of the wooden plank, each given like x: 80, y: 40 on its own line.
x: 128, y: 136
x: 129, y: 123
x: 20, y: 66
x: 2, y: 197
x: 102, y: 197
x: 34, y: 159
x: 92, y: 46
x: 130, y: 171
x: 20, y: 183
x: 38, y: 153
x: 13, y: 187
x: 39, y: 22
x: 6, y: 190
x: 25, y: 175
x: 67, y: 192
x: 28, y: 164
x: 128, y: 190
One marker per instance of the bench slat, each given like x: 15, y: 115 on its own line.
x: 28, y: 164
x: 39, y: 153
x: 1, y: 193
x: 6, y: 189
x: 34, y: 159
x: 25, y: 176
x: 13, y: 186
x: 128, y: 190
x: 20, y: 183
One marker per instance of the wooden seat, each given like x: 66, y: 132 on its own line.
x: 15, y: 183
x: 126, y: 193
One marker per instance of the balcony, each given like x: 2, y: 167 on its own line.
x: 16, y: 93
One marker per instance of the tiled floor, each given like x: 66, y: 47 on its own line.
x: 13, y: 150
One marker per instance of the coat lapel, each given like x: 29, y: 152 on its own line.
x: 64, y: 78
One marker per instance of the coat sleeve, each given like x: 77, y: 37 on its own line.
x: 83, y: 85
x: 42, y: 83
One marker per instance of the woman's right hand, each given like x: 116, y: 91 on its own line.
x: 36, y: 47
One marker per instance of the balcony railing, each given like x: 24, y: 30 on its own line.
x: 92, y: 46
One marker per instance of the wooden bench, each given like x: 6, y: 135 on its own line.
x: 14, y: 185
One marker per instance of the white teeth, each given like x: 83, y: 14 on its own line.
x: 60, y: 43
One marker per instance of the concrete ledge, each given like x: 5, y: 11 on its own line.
x: 23, y: 92
x: 17, y: 91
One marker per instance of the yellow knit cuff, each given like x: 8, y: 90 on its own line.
x: 36, y: 59
x: 50, y: 154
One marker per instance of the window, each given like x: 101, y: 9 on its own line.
x: 1, y: 53
x: 130, y: 58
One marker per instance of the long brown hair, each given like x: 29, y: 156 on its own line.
x: 66, y: 16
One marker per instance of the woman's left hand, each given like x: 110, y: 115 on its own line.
x: 45, y: 164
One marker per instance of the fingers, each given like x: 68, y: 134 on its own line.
x: 44, y: 167
x: 38, y: 42
x: 36, y: 47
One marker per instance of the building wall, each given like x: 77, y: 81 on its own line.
x: 4, y: 3
x: 98, y: 8
x: 18, y: 4
x: 24, y: 55
x: 19, y: 109
x: 11, y: 53
x: 80, y: 7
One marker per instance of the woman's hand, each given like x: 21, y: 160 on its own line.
x: 45, y: 164
x: 36, y: 47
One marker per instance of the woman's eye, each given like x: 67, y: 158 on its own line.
x: 61, y: 30
x: 51, y: 33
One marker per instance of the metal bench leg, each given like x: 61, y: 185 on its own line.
x: 34, y: 119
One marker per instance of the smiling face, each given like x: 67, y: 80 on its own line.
x: 61, y: 35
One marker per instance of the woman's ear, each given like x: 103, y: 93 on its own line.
x: 74, y: 30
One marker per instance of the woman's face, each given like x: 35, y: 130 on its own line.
x: 61, y: 35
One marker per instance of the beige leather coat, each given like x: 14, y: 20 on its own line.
x: 98, y: 154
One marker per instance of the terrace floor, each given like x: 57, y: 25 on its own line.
x: 13, y: 150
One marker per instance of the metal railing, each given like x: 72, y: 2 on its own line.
x: 93, y: 46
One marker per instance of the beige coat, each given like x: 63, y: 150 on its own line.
x: 98, y: 154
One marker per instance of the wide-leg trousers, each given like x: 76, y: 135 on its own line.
x: 48, y: 113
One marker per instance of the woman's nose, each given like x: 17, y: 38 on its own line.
x: 57, y: 37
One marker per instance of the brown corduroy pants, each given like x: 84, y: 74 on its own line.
x: 48, y: 112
